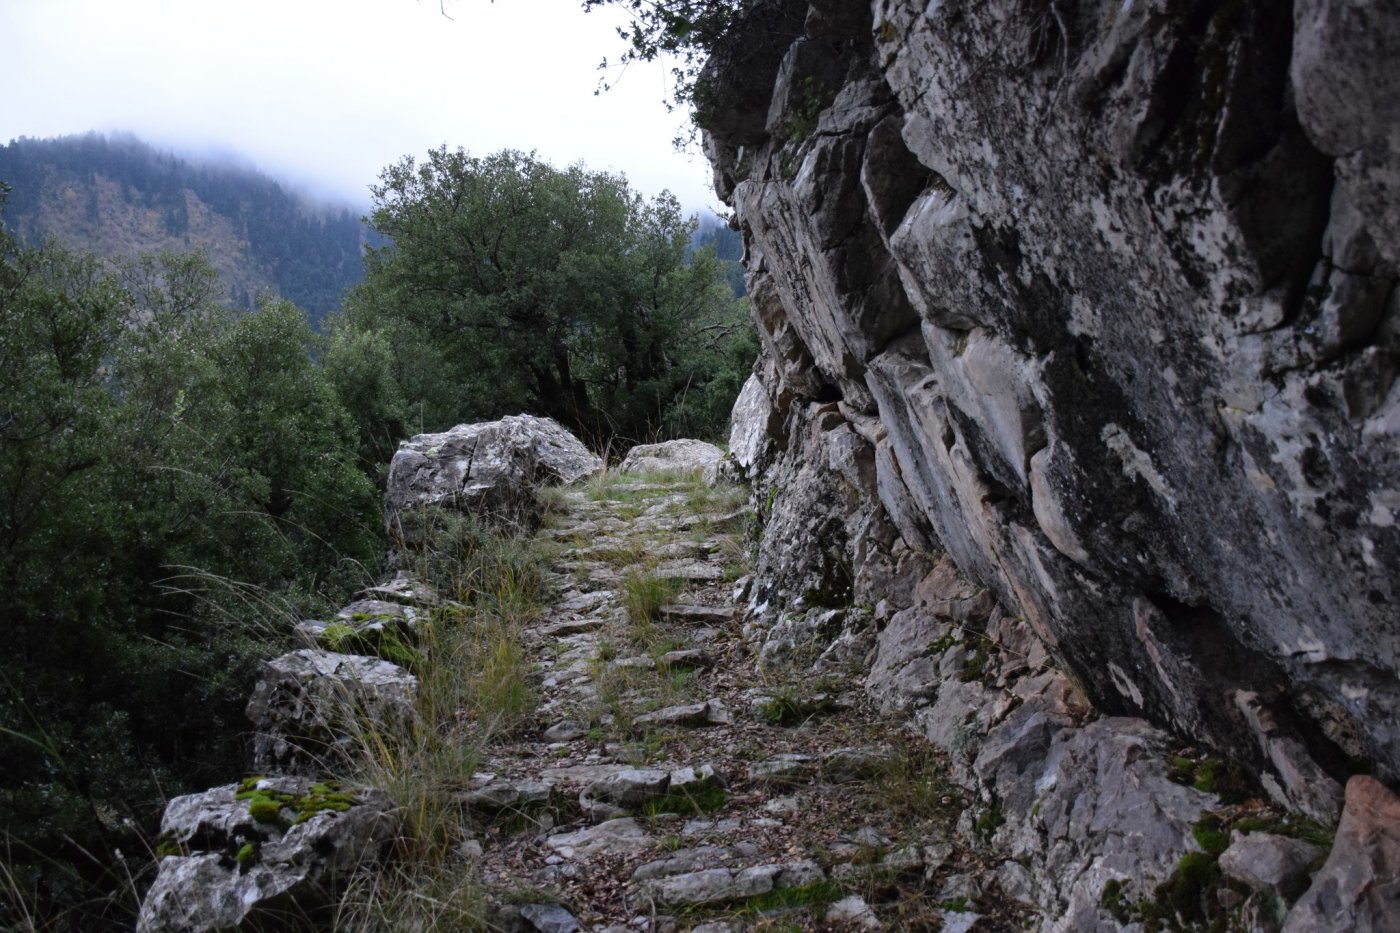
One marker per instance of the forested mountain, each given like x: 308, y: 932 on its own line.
x: 729, y: 248
x: 117, y: 196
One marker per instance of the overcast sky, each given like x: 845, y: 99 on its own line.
x: 325, y: 93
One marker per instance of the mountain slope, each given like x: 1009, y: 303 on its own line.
x: 116, y: 196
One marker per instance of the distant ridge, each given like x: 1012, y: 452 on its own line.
x: 115, y: 195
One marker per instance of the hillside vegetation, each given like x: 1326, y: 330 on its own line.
x: 116, y: 196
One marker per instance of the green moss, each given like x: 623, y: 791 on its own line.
x: 266, y: 805
x: 247, y: 855
x: 383, y: 643
x: 1113, y: 901
x: 957, y: 905
x: 1184, y: 892
x: 789, y: 707
x: 1228, y: 781
x: 1211, y: 835
x: 1293, y: 825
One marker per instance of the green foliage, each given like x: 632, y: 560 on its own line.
x: 644, y: 592
x: 1211, y: 835
x: 681, y: 31
x: 511, y: 285
x: 176, y: 486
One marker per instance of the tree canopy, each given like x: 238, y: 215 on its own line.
x: 177, y: 486
x: 509, y: 285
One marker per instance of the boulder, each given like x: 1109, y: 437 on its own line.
x: 675, y: 458
x: 309, y: 704
x: 267, y: 853
x: 490, y: 470
x: 1266, y: 862
x: 1358, y: 888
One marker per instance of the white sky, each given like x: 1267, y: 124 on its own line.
x: 326, y: 93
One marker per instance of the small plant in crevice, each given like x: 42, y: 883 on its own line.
x: 644, y: 592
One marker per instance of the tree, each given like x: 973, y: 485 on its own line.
x: 509, y: 284
x: 177, y: 484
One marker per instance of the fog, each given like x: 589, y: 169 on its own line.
x: 325, y: 93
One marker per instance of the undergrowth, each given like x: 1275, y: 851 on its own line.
x: 474, y: 689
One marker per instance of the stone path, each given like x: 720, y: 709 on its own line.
x: 667, y: 785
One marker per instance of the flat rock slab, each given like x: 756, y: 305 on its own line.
x: 1266, y: 862
x: 694, y: 715
x: 623, y: 836
x: 689, y: 571
x: 784, y: 770
x: 680, y: 614
x: 725, y: 885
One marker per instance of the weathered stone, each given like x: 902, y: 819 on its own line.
x: 309, y: 703
x: 548, y: 918
x: 1269, y: 863
x: 1070, y: 310
x: 680, y: 614
x: 753, y: 422
x: 252, y: 863
x: 564, y: 731
x: 402, y: 588
x: 489, y: 469
x: 675, y: 458
x: 722, y: 885
x: 1358, y: 888
x: 630, y: 788
x: 784, y: 769
x: 853, y: 913
x: 615, y: 837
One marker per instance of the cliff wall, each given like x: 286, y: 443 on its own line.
x: 1097, y: 298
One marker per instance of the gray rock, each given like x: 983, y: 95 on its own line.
x: 854, y: 913
x: 689, y: 714
x: 631, y: 788
x: 784, y: 770
x: 1018, y: 306
x: 685, y: 861
x: 1269, y: 863
x: 549, y: 918
x: 1358, y: 888
x: 566, y: 730
x: 489, y: 469
x: 308, y: 705
x: 615, y: 837
x: 723, y: 885
x: 248, y: 866
x: 675, y: 458
x: 753, y: 422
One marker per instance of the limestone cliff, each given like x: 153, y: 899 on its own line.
x: 1097, y: 297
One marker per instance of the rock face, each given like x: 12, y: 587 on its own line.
x: 489, y: 469
x: 264, y: 855
x: 1099, y: 299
